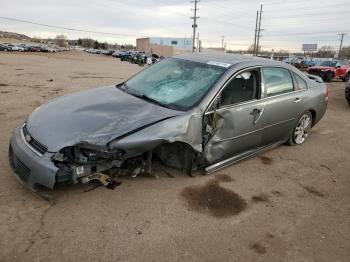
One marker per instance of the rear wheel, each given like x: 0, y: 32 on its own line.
x: 347, y: 93
x: 301, y: 130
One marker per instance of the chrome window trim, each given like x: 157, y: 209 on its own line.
x: 253, y: 101
x: 262, y: 89
x: 25, y: 141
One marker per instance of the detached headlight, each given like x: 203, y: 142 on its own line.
x: 87, y: 154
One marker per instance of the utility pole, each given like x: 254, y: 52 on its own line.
x: 222, y: 41
x: 259, y: 31
x: 194, y: 25
x: 341, y: 43
x: 256, y: 31
x: 198, y: 42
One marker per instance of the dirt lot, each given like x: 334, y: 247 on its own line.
x: 291, y: 204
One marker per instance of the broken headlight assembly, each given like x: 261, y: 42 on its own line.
x: 75, y: 163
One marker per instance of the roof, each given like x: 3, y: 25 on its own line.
x: 230, y: 59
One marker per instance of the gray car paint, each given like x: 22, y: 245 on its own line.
x: 109, y: 117
x: 96, y: 116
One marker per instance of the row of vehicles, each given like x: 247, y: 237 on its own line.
x: 30, y: 48
x: 135, y: 57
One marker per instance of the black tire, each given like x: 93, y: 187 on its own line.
x: 347, y: 93
x: 329, y: 76
x: 346, y: 78
x: 293, y: 140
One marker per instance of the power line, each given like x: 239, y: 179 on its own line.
x: 64, y: 28
x: 194, y: 25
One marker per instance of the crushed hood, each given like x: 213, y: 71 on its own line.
x: 96, y: 116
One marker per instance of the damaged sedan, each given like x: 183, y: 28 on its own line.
x: 191, y: 112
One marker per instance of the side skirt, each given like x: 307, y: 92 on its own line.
x: 245, y: 155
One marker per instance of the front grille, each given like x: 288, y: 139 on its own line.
x: 20, y: 168
x: 33, y: 142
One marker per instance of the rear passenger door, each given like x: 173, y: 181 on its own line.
x: 284, y: 101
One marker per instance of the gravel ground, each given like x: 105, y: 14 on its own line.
x: 290, y: 204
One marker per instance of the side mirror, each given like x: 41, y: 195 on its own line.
x: 337, y: 66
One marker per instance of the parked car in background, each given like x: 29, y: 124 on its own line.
x: 193, y: 112
x: 17, y: 48
x: 116, y: 53
x: 51, y: 50
x: 8, y: 46
x: 125, y: 56
x: 32, y: 48
x: 4, y: 47
x: 329, y: 70
x: 347, y: 92
x: 25, y: 47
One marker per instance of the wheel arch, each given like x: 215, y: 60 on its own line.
x: 313, y: 114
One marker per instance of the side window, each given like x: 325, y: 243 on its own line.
x: 244, y: 87
x: 277, y: 81
x: 300, y: 83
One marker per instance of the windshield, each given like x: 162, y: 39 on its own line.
x: 328, y: 63
x: 174, y: 83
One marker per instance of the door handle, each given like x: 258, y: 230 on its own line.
x: 257, y: 113
x: 297, y: 100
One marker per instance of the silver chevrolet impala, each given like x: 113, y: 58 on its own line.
x: 192, y: 112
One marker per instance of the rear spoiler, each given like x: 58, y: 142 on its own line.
x: 315, y: 78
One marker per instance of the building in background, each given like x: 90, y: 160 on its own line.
x: 164, y: 46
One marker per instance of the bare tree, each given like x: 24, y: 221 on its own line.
x: 325, y: 51
x: 61, y: 40
x: 345, y: 52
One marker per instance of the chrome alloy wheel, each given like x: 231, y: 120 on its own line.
x: 302, y: 129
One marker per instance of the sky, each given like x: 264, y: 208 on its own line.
x: 285, y: 24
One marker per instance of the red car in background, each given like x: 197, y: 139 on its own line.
x: 329, y: 70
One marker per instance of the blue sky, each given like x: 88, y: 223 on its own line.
x: 286, y: 24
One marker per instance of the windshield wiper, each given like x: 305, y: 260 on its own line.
x: 125, y: 88
x: 149, y: 99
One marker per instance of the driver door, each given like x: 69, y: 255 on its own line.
x: 233, y: 124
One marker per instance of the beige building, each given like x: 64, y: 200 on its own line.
x: 164, y: 46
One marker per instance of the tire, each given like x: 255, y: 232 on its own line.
x: 329, y: 77
x: 347, y: 93
x: 346, y: 78
x: 301, y: 130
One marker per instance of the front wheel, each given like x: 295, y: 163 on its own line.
x: 329, y: 77
x: 301, y: 130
